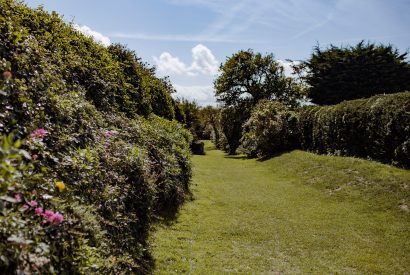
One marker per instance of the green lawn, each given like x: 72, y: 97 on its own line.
x: 295, y: 213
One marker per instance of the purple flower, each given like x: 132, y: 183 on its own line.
x: 110, y: 133
x: 17, y: 197
x: 39, y: 211
x: 39, y: 133
x: 25, y: 207
x: 33, y: 204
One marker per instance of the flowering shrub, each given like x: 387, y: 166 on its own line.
x: 82, y: 175
x: 271, y: 129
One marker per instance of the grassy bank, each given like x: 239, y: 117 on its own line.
x: 295, y: 213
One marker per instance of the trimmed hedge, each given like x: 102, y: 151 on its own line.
x: 82, y: 174
x: 376, y: 128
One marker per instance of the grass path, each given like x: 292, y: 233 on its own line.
x: 296, y: 213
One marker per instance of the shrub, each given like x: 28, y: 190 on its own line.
x: 232, y: 119
x: 270, y: 130
x: 376, y: 128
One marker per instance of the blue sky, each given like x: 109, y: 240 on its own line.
x: 188, y: 39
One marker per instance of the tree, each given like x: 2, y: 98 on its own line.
x: 249, y: 76
x: 361, y: 71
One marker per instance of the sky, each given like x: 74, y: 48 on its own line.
x: 187, y: 40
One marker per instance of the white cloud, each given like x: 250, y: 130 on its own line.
x: 98, y: 37
x: 203, y: 95
x: 203, y: 62
x: 287, y: 66
x: 172, y: 65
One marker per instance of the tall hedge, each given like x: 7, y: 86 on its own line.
x: 377, y: 128
x: 82, y: 174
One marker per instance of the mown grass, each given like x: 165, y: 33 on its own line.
x: 295, y: 213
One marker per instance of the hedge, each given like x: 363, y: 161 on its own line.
x: 376, y: 128
x: 85, y: 162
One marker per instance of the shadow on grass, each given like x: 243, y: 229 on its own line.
x: 168, y: 214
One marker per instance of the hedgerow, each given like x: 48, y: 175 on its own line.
x: 377, y: 128
x: 85, y: 162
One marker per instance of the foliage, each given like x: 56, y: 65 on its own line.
x: 190, y: 112
x: 232, y: 119
x: 270, y: 129
x: 210, y: 121
x: 249, y: 76
x: 361, y: 71
x: 377, y: 128
x: 245, y: 79
x: 80, y: 151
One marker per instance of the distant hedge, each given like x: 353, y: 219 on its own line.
x: 376, y: 128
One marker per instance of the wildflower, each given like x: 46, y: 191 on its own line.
x: 57, y: 218
x: 7, y: 75
x: 34, y: 157
x: 39, y: 133
x: 17, y: 197
x: 48, y: 214
x: 110, y: 133
x: 25, y: 207
x: 60, y: 186
x: 39, y: 211
x: 33, y: 203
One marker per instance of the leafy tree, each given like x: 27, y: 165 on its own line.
x: 245, y: 79
x: 249, y: 76
x: 361, y: 71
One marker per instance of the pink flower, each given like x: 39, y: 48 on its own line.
x: 39, y: 211
x: 25, y: 207
x: 34, y: 157
x: 33, y: 203
x: 39, y: 133
x: 48, y: 214
x: 57, y: 218
x: 17, y: 197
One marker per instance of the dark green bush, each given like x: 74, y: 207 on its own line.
x: 270, y: 129
x: 73, y: 143
x: 232, y: 120
x: 377, y: 128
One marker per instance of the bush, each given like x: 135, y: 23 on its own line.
x: 270, y: 129
x: 82, y: 174
x: 232, y: 119
x: 376, y: 128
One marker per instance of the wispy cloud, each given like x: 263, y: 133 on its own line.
x: 179, y: 38
x: 203, y: 63
x: 238, y: 17
x: 98, y: 37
